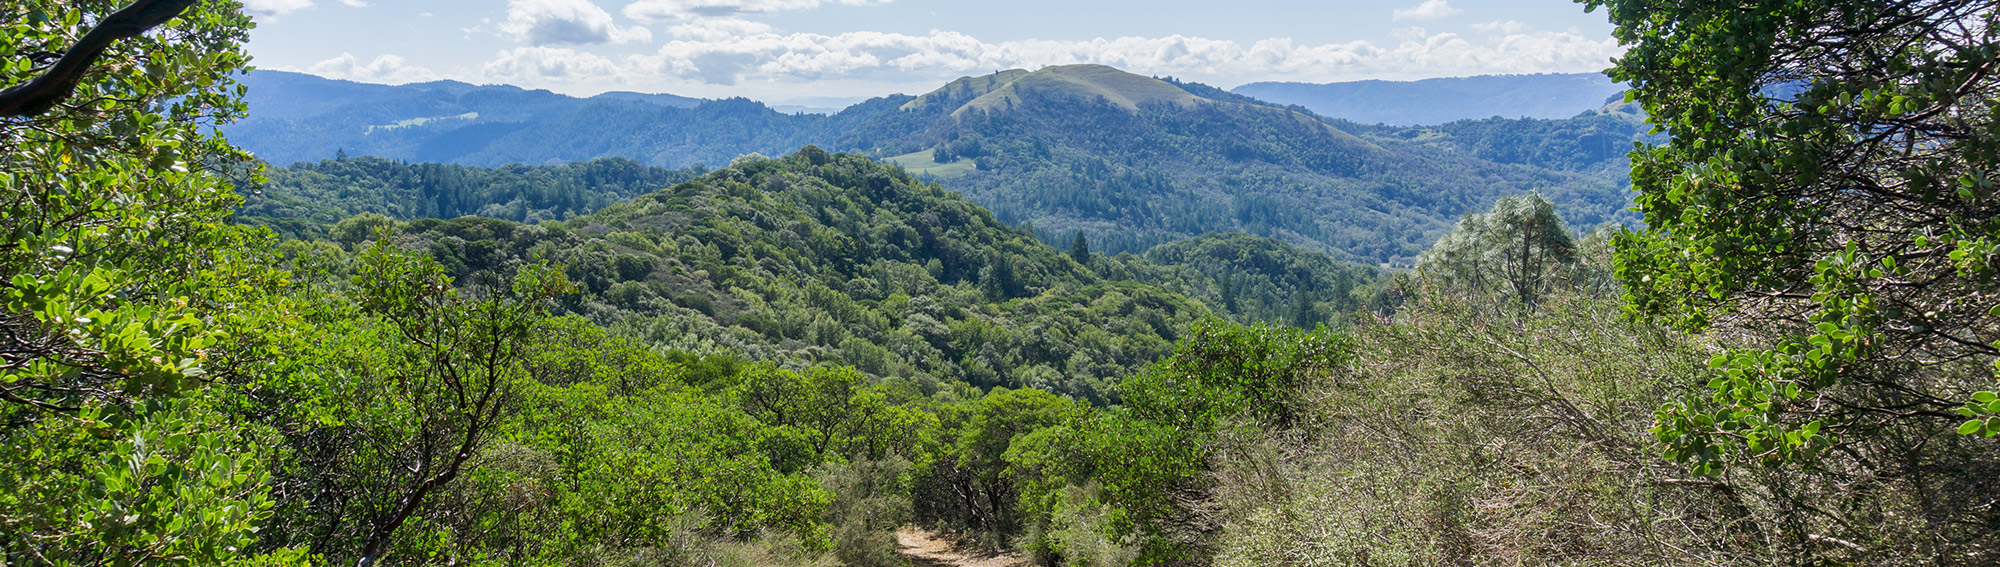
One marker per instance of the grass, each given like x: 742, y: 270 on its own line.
x: 922, y: 163
x: 1087, y: 81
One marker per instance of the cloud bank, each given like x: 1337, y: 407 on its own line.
x: 727, y: 59
x: 574, y: 22
x: 681, y: 10
x: 388, y: 69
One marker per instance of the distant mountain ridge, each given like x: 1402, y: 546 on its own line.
x: 1129, y: 160
x: 1432, y: 102
x: 299, y: 117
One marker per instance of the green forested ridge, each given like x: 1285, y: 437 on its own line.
x: 1593, y: 142
x: 305, y: 198
x: 1132, y: 161
x: 1094, y: 149
x: 823, y: 258
x: 782, y: 361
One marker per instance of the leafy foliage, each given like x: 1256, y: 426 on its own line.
x: 1767, y: 217
x: 1824, y: 206
x: 114, y: 284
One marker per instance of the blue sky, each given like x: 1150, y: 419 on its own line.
x: 828, y: 52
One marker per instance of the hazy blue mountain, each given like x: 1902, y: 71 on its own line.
x: 667, y: 100
x: 1595, y: 142
x: 1437, y: 101
x: 299, y: 117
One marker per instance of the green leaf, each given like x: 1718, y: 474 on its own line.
x: 1971, y: 427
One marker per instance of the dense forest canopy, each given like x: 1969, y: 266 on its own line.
x: 785, y: 361
x: 305, y: 199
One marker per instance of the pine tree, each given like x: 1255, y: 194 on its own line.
x: 998, y: 279
x: 1229, y: 293
x: 1079, y: 249
x: 1304, y: 315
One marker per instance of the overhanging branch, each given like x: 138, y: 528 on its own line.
x: 42, y: 93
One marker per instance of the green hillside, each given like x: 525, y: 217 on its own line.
x: 1116, y: 87
x: 1133, y: 162
x: 956, y: 93
x: 302, y: 200
x: 817, y: 258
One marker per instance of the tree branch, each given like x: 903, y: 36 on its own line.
x: 41, y: 94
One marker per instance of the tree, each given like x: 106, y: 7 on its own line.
x: 1079, y: 249
x: 58, y: 82
x: 1229, y: 292
x: 117, y: 273
x: 447, y: 382
x: 1829, y: 179
x: 998, y: 279
x: 1826, y: 206
x: 838, y: 414
x: 1305, y: 313
x: 979, y: 482
x: 1517, y: 249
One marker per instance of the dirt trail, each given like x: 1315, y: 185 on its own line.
x: 927, y: 549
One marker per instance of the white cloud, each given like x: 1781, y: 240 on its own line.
x: 665, y: 10
x: 1429, y: 10
x: 546, y: 22
x: 356, y: 3
x: 549, y: 64
x: 718, y: 30
x: 389, y: 69
x: 275, y: 7
x: 726, y: 59
x: 1506, y: 27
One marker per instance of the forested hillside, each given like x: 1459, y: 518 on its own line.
x: 1134, y: 161
x: 818, y: 258
x: 1593, y: 143
x: 304, y: 200
x: 1131, y: 161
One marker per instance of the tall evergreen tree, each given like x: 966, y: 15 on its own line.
x: 998, y: 279
x: 1079, y: 249
x: 1304, y: 314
